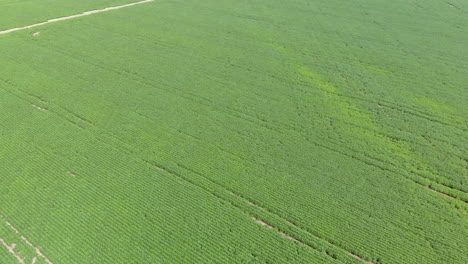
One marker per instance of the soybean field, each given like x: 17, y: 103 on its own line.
x: 222, y: 131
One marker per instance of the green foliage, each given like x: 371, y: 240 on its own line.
x: 207, y: 131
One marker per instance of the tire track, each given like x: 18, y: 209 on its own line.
x: 87, y: 13
x: 11, y: 247
x: 243, y: 204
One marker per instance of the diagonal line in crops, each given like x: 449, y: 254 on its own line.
x: 288, y: 222
x: 199, y: 185
x: 44, y: 109
x: 87, y: 13
x: 263, y: 223
x: 225, y: 193
x: 440, y: 192
x: 11, y: 247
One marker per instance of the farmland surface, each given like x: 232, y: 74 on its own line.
x: 222, y: 131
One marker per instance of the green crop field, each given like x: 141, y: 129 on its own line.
x: 234, y: 131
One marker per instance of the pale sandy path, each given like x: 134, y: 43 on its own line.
x: 11, y: 248
x: 87, y: 13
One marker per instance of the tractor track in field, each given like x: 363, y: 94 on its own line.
x: 87, y: 13
x: 245, y: 205
x: 11, y: 247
